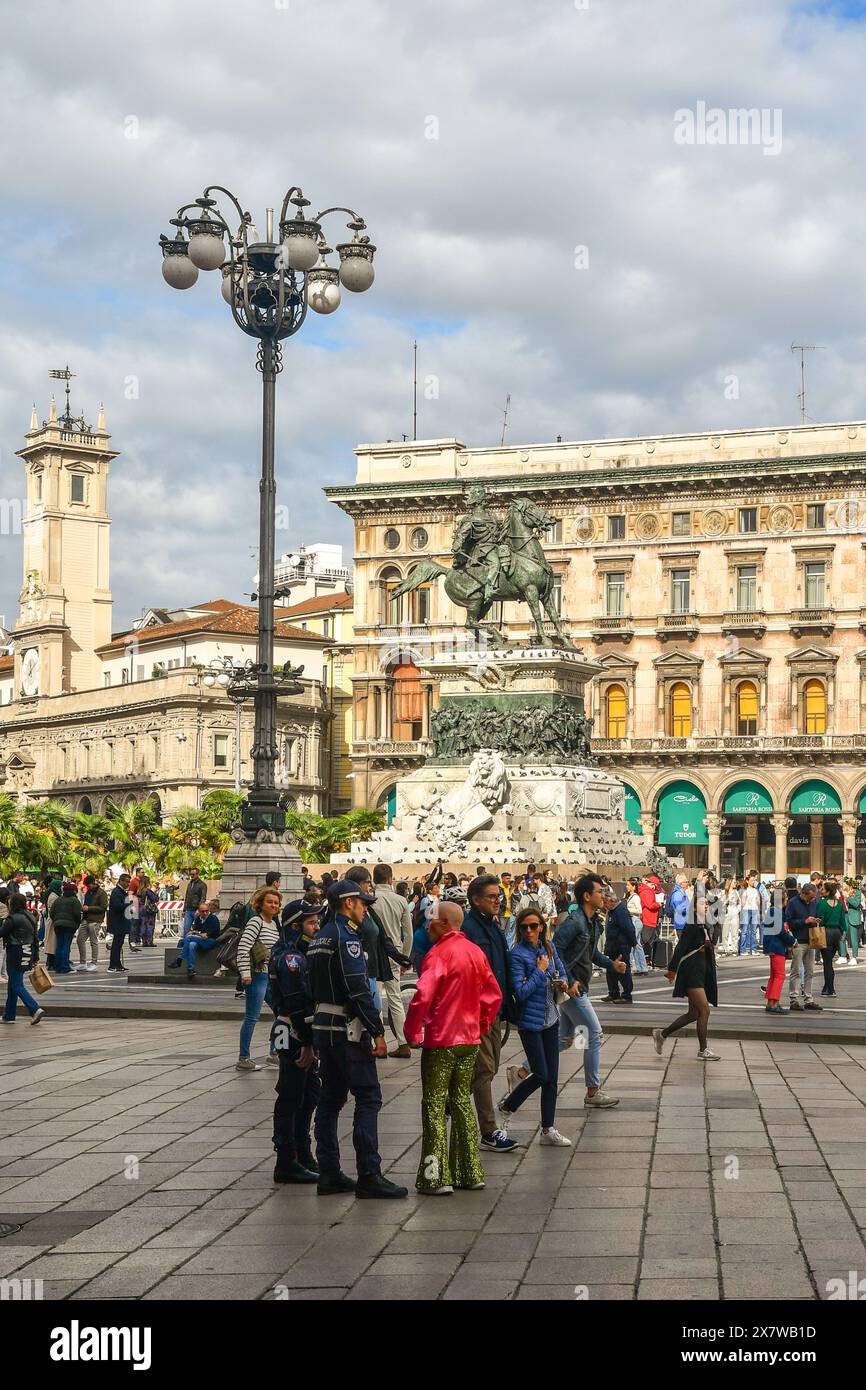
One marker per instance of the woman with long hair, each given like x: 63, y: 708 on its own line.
x: 831, y: 914
x: 731, y: 920
x: 640, y: 964
x: 539, y: 981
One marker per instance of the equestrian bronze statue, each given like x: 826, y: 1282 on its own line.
x: 496, y: 560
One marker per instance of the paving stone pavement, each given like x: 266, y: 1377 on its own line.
x: 138, y: 1163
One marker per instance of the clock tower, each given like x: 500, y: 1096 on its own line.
x: 65, y: 600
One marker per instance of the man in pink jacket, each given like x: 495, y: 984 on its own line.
x: 456, y: 1002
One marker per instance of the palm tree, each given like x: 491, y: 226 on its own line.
x: 223, y: 807
x: 89, y: 844
x: 131, y: 828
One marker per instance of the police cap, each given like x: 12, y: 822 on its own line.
x: 345, y: 888
x: 294, y: 911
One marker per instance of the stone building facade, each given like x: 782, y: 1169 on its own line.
x: 87, y: 717
x: 718, y: 579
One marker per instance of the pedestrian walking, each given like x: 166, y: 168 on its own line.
x: 65, y: 914
x: 93, y: 912
x: 731, y: 920
x: 538, y: 979
x: 620, y: 941
x: 18, y: 933
x: 850, y: 945
x: 777, y: 943
x: 395, y: 920
x: 118, y: 924
x: 634, y: 907
x: 257, y: 939
x: 693, y: 973
x: 800, y: 916
x: 832, y: 917
x: 454, y: 1006
x: 576, y: 943
x: 482, y: 926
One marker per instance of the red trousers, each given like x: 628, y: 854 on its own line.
x: 777, y: 979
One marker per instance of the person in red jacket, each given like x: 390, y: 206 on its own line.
x: 456, y: 1002
x: 649, y: 892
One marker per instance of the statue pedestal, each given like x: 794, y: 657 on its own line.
x: 247, y: 862
x: 512, y: 777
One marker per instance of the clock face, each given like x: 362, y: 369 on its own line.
x: 30, y: 672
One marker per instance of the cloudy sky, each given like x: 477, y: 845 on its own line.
x: 547, y: 226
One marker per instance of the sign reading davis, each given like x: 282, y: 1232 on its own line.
x: 681, y: 815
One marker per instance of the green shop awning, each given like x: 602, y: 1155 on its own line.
x: 632, y: 809
x: 863, y: 802
x: 815, y: 798
x: 748, y: 798
x: 681, y: 815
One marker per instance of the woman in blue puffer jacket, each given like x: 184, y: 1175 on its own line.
x: 539, y: 982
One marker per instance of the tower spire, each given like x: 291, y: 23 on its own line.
x: 34, y: 418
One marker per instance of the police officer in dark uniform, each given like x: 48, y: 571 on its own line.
x: 348, y: 1036
x: 298, y: 1086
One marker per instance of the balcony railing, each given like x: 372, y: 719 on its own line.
x: 677, y: 625
x: 715, y: 743
x: 812, y: 620
x: 678, y: 619
x: 745, y: 620
x: 392, y: 747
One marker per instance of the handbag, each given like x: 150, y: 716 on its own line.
x: 39, y: 979
x: 818, y: 938
x: 259, y: 952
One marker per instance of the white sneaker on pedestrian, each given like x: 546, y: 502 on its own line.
x: 246, y: 1064
x: 273, y: 1059
x: 602, y: 1039
x: 708, y: 1056
x: 553, y: 1136
x: 658, y: 1040
x: 435, y: 1191
x: 91, y: 969
x: 37, y: 1017
x: 600, y: 1101
x: 80, y: 969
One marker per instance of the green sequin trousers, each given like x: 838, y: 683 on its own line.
x: 446, y: 1078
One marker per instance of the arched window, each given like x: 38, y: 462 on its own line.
x: 680, y: 701
x: 815, y: 707
x: 390, y: 608
x: 407, y: 702
x: 747, y: 708
x: 615, y: 708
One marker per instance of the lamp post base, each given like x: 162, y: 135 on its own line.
x: 249, y: 859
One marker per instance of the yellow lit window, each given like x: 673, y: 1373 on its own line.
x: 747, y: 708
x: 616, y: 711
x: 681, y: 710
x: 815, y: 707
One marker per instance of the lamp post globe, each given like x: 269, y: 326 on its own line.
x: 179, y: 272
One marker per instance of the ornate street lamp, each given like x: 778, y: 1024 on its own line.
x: 268, y: 285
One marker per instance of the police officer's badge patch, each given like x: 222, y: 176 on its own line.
x: 353, y: 947
x: 293, y: 963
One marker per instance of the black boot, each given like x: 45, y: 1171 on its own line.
x: 374, y: 1185
x: 334, y: 1184
x: 305, y: 1158
x: 288, y: 1169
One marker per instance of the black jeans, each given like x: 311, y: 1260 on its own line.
x: 298, y: 1094
x: 542, y: 1054
x: 115, y: 959
x: 345, y: 1067
x: 829, y: 973
x: 615, y: 980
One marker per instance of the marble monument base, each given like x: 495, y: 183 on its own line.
x: 247, y: 862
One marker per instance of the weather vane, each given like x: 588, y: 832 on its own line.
x: 64, y: 374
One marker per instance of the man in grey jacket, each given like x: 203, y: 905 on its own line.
x: 396, y: 918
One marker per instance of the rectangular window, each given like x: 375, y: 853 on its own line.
x: 681, y: 524
x: 106, y: 679
x: 748, y: 519
x: 614, y: 595
x: 38, y: 487
x: 681, y: 591
x: 221, y: 750
x: 421, y: 605
x: 747, y: 588
x: 616, y: 528
x: 326, y: 627
x: 124, y: 677
x: 556, y: 595
x: 815, y: 584
x: 815, y: 516
x: 77, y: 492
x: 139, y: 673
x: 553, y: 534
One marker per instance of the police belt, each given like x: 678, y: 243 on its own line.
x: 339, y: 1015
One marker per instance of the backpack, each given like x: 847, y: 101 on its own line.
x: 275, y: 994
x: 227, y: 951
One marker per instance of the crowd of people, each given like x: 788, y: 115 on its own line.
x: 492, y: 952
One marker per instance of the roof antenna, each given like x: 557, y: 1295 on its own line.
x: 415, y: 389
x: 505, y: 419
x: 803, y: 348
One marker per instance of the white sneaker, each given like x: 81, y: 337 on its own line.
x: 600, y: 1101
x: 708, y: 1056
x: 38, y: 1016
x: 853, y: 961
x: 435, y: 1191
x: 553, y: 1136
x: 837, y: 964
x: 246, y: 1064
x: 273, y: 1059
x: 91, y: 969
x: 602, y: 1039
x: 658, y: 1040
x: 80, y: 969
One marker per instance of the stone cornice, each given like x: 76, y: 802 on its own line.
x: 705, y: 476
